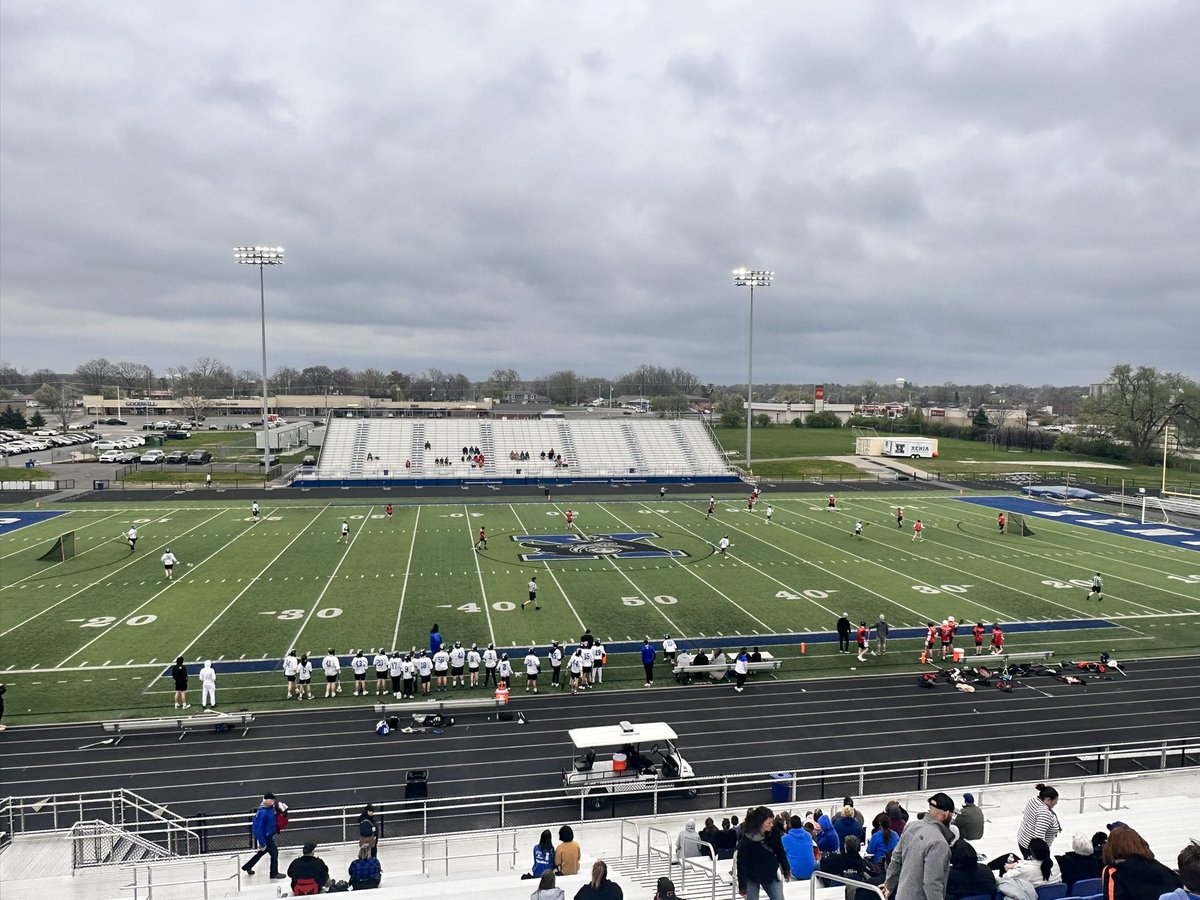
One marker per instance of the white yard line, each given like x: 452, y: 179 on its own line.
x: 328, y: 583
x: 121, y: 619
x: 550, y: 572
x: 407, y: 571
x: 252, y: 582
x: 132, y: 558
x: 487, y: 610
x: 689, y: 569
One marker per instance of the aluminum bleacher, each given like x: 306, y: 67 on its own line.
x: 403, y: 451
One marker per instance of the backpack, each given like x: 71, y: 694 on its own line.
x: 281, y: 817
x: 303, y: 887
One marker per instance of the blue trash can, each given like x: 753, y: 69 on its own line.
x: 781, y: 787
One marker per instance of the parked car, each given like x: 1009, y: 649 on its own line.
x: 128, y: 456
x: 270, y: 460
x: 44, y: 432
x: 199, y: 457
x: 101, y: 446
x: 112, y: 421
x: 111, y: 456
x: 152, y: 456
x: 309, y: 460
x: 176, y: 435
x: 176, y: 458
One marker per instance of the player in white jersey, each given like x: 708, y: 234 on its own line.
x: 490, y: 659
x: 723, y: 545
x: 168, y: 561
x: 770, y: 512
x: 381, y: 671
x: 586, y: 658
x: 556, y: 661
x: 532, y: 666
x: 458, y: 658
x: 441, y: 668
x: 575, y: 667
x: 291, y: 668
x: 409, y: 672
x: 1097, y: 588
x: 424, y: 671
x: 359, y: 665
x: 474, y: 658
x: 345, y: 538
x: 304, y: 669
x: 669, y: 649
x: 331, y: 665
x: 598, y: 663
x: 396, y: 671
x: 254, y: 510
x: 504, y: 670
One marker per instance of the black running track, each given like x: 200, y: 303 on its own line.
x: 315, y: 756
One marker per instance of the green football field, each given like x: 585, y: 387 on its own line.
x: 91, y: 637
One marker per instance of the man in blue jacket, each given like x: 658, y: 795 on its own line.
x: 264, y: 834
x: 648, y: 661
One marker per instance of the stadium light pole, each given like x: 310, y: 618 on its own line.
x: 262, y: 257
x: 750, y: 278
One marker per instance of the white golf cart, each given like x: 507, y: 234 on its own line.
x: 632, y: 759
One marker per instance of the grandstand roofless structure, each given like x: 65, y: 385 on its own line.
x: 392, y: 452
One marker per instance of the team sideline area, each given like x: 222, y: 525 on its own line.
x: 1160, y: 806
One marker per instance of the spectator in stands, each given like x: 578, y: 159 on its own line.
x: 1080, y: 862
x: 665, y: 890
x: 898, y: 816
x: 727, y: 838
x: 849, y: 801
x: 566, y: 855
x: 969, y: 819
x: 883, y: 839
x: 845, y: 825
x: 798, y: 845
x: 1039, y: 819
x: 1037, y: 868
x: 368, y: 834
x: 1189, y: 874
x: 827, y: 838
x: 687, y: 843
x: 920, y: 863
x: 762, y: 864
x: 309, y: 873
x: 543, y: 856
x: 264, y: 829
x: 709, y: 834
x: 546, y: 889
x: 1130, y: 870
x: 847, y: 862
x: 599, y: 887
x: 365, y: 872
x: 968, y: 876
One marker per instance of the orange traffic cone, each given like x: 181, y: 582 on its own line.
x: 922, y: 657
x: 802, y: 648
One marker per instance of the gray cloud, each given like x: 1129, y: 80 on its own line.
x: 967, y: 192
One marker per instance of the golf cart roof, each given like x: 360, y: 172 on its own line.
x: 625, y: 733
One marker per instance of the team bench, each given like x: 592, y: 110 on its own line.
x: 717, y: 671
x: 182, y: 724
x: 441, y: 706
x: 1009, y: 658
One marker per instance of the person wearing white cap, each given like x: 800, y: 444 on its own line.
x: 208, y: 685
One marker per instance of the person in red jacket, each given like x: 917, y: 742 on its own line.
x: 997, y: 639
x: 1000, y: 522
x: 861, y: 636
x: 946, y: 634
x: 931, y: 637
x: 977, y: 633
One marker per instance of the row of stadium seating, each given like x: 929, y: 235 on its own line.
x: 406, y: 449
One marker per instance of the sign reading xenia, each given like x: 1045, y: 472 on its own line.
x: 623, y: 545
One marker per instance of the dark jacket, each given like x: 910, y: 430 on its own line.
x: 848, y: 864
x: 608, y: 890
x: 314, y: 867
x: 365, y: 873
x: 1137, y: 879
x: 760, y: 861
x: 1075, y: 867
x: 968, y: 876
x: 180, y: 674
x: 970, y: 822
x: 843, y: 626
x: 846, y: 826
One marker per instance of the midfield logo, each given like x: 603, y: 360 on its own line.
x: 625, y: 545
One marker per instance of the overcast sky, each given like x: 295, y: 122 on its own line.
x: 952, y: 191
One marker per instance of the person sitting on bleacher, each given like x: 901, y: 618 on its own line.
x: 968, y: 876
x: 687, y: 843
x: 543, y: 856
x: 701, y: 658
x: 847, y: 862
x: 827, y: 838
x: 568, y: 852
x: 845, y: 825
x: 709, y: 834
x: 1040, y: 868
x: 726, y: 840
x: 1080, y: 862
x: 309, y: 873
x: 600, y: 888
x: 1130, y: 870
x: 798, y: 845
x: 365, y: 872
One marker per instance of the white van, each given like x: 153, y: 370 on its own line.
x: 625, y: 759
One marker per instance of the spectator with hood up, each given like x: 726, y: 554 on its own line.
x: 968, y: 876
x: 827, y: 838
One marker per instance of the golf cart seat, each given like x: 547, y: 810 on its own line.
x: 586, y: 762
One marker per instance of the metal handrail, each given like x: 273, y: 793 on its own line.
x: 636, y: 840
x: 104, y: 838
x: 204, y: 880
x: 841, y: 879
x: 710, y: 871
x: 653, y: 852
x: 445, y: 840
x: 975, y: 771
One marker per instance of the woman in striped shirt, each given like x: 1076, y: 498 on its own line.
x: 1039, y: 819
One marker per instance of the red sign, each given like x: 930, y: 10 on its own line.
x: 820, y: 395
